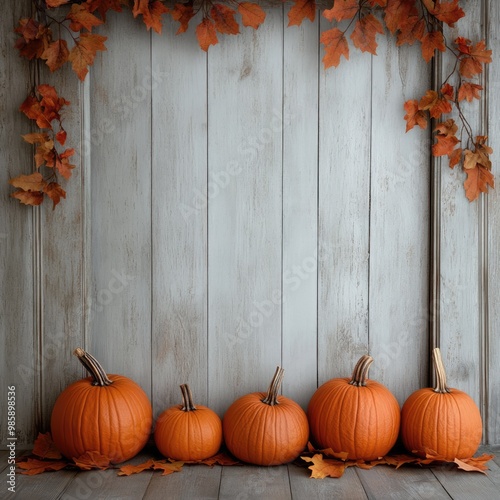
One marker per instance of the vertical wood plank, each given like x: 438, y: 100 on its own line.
x: 18, y: 362
x: 244, y: 211
x: 179, y: 217
x: 63, y: 280
x: 343, y: 217
x: 493, y: 223
x: 120, y: 334
x: 399, y: 223
x: 460, y: 299
x: 300, y: 209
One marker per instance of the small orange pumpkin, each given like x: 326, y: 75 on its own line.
x: 355, y: 415
x: 441, y: 421
x: 188, y: 432
x: 109, y: 414
x: 266, y: 429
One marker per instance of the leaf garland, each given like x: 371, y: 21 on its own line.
x: 355, y: 23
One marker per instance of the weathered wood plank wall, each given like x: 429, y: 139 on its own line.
x: 240, y: 209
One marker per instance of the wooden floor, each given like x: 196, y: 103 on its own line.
x: 270, y: 483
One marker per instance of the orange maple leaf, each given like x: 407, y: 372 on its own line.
x: 435, y: 104
x: 480, y: 155
x: 432, y: 41
x: 102, y: 6
x: 61, y: 136
x: 251, y: 14
x: 472, y: 57
x: 34, y: 38
x: 83, y: 53
x: 44, y: 447
x: 183, y: 13
x: 220, y: 459
x: 206, y: 34
x: 477, y: 182
x: 324, y: 467
x: 365, y: 32
x: 335, y: 46
x: 128, y: 470
x: 55, y: 3
x: 45, y: 153
x: 445, y: 145
x: 342, y: 9
x: 448, y: 92
x: 56, y: 54
x: 397, y: 12
x: 81, y: 17
x: 414, y: 115
x: 223, y: 18
x: 62, y: 164
x: 411, y: 30
x: 33, y: 465
x: 32, y: 109
x: 151, y: 13
x: 55, y: 192
x: 301, y: 9
x: 36, y: 138
x: 469, y: 91
x: 448, y: 128
x: 167, y: 467
x: 92, y: 460
x: 474, y: 464
x: 447, y: 12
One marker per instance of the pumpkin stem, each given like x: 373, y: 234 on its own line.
x: 187, y: 398
x: 271, y: 398
x: 93, y: 366
x: 440, y: 372
x: 360, y: 373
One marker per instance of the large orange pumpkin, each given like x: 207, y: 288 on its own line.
x: 188, y: 432
x: 109, y: 414
x: 441, y: 421
x: 266, y: 429
x: 355, y: 415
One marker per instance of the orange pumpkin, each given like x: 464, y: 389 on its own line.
x: 188, y: 432
x: 355, y: 415
x: 266, y: 429
x: 109, y: 414
x: 441, y: 421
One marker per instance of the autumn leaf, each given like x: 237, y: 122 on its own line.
x: 251, y: 14
x: 435, y: 104
x: 220, y: 459
x: 45, y: 153
x: 432, y: 41
x: 36, y: 138
x: 447, y: 12
x: 81, y: 17
x: 480, y: 155
x: 414, y: 116
x: 474, y: 464
x: 469, y: 91
x: 44, y: 447
x: 477, y: 182
x: 301, y: 9
x: 455, y: 157
x: 365, y: 32
x: 444, y: 145
x: 322, y: 467
x: 61, y: 136
x: 151, y: 13
x: 380, y: 3
x: 62, y: 164
x: 223, y: 18
x: 56, y: 54
x: 55, y: 3
x: 336, y: 46
x: 342, y: 9
x: 182, y: 13
x: 102, y: 6
x: 35, y: 466
x: 34, y: 38
x: 92, y: 460
x: 206, y: 34
x: 472, y: 57
x: 83, y: 53
x: 397, y: 11
x: 411, y: 30
x: 448, y: 92
x: 32, y: 109
x: 448, y: 128
x: 55, y: 192
x: 32, y: 182
x: 167, y: 467
x: 128, y: 470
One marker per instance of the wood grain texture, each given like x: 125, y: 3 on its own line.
x: 399, y: 224
x: 49, y: 487
x: 244, y: 211
x: 343, y: 214
x: 459, y: 316
x: 18, y: 357
x: 179, y: 211
x: 120, y: 328
x: 493, y: 201
x: 300, y: 209
x: 248, y: 482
